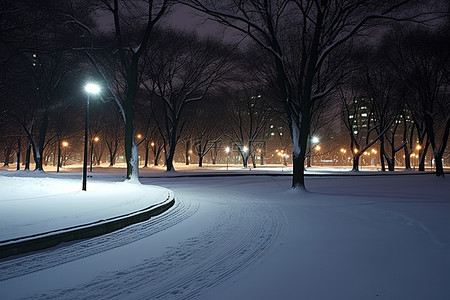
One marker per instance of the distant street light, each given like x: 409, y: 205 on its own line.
x: 59, y: 164
x: 154, y: 152
x: 96, y: 139
x: 94, y: 89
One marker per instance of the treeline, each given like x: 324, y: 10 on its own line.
x: 301, y: 65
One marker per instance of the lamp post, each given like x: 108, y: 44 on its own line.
x: 96, y: 139
x: 94, y: 89
x: 314, y: 141
x: 154, y: 153
x: 59, y: 164
x: 227, y: 150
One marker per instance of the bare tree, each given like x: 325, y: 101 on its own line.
x: 183, y: 68
x: 383, y: 91
x: 206, y: 127
x: 248, y: 114
x: 321, y: 27
x: 358, y: 116
x: 422, y: 59
x: 133, y: 25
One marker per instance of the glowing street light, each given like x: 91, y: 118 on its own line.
x: 96, y: 139
x: 93, y: 89
x: 315, y: 139
x: 245, y: 149
x: 58, y: 165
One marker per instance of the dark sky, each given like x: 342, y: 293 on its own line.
x: 185, y: 18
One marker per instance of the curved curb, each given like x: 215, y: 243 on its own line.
x: 52, y: 238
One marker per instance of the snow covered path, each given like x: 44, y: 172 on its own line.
x: 216, y: 238
x: 384, y: 237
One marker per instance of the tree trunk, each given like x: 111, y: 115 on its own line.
x: 407, y: 157
x: 298, y: 170
x: 308, y: 159
x: 58, y: 164
x: 392, y: 165
x: 356, y: 163
x: 171, y: 154
x: 7, y: 156
x: 438, y: 163
x: 244, y: 160
x: 423, y: 154
x: 39, y: 155
x: 253, y: 161
x: 146, y: 153
x: 262, y: 154
x: 382, y: 154
x: 19, y: 144
x: 28, y: 156
x: 200, y: 160
x: 431, y: 136
x: 131, y: 153
x: 156, y: 154
x: 169, y: 160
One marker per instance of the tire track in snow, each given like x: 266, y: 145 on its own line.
x: 68, y: 252
x: 239, y: 237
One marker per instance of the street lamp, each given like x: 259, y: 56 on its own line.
x: 96, y: 139
x: 59, y: 164
x: 94, y: 89
x: 227, y: 150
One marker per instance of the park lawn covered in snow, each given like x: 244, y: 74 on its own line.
x: 37, y: 202
x: 380, y: 237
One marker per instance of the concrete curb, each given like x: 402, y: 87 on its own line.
x: 52, y: 238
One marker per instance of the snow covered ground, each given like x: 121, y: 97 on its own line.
x: 251, y: 237
x: 36, y: 202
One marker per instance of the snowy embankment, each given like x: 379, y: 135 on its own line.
x: 33, y: 203
x: 384, y: 237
